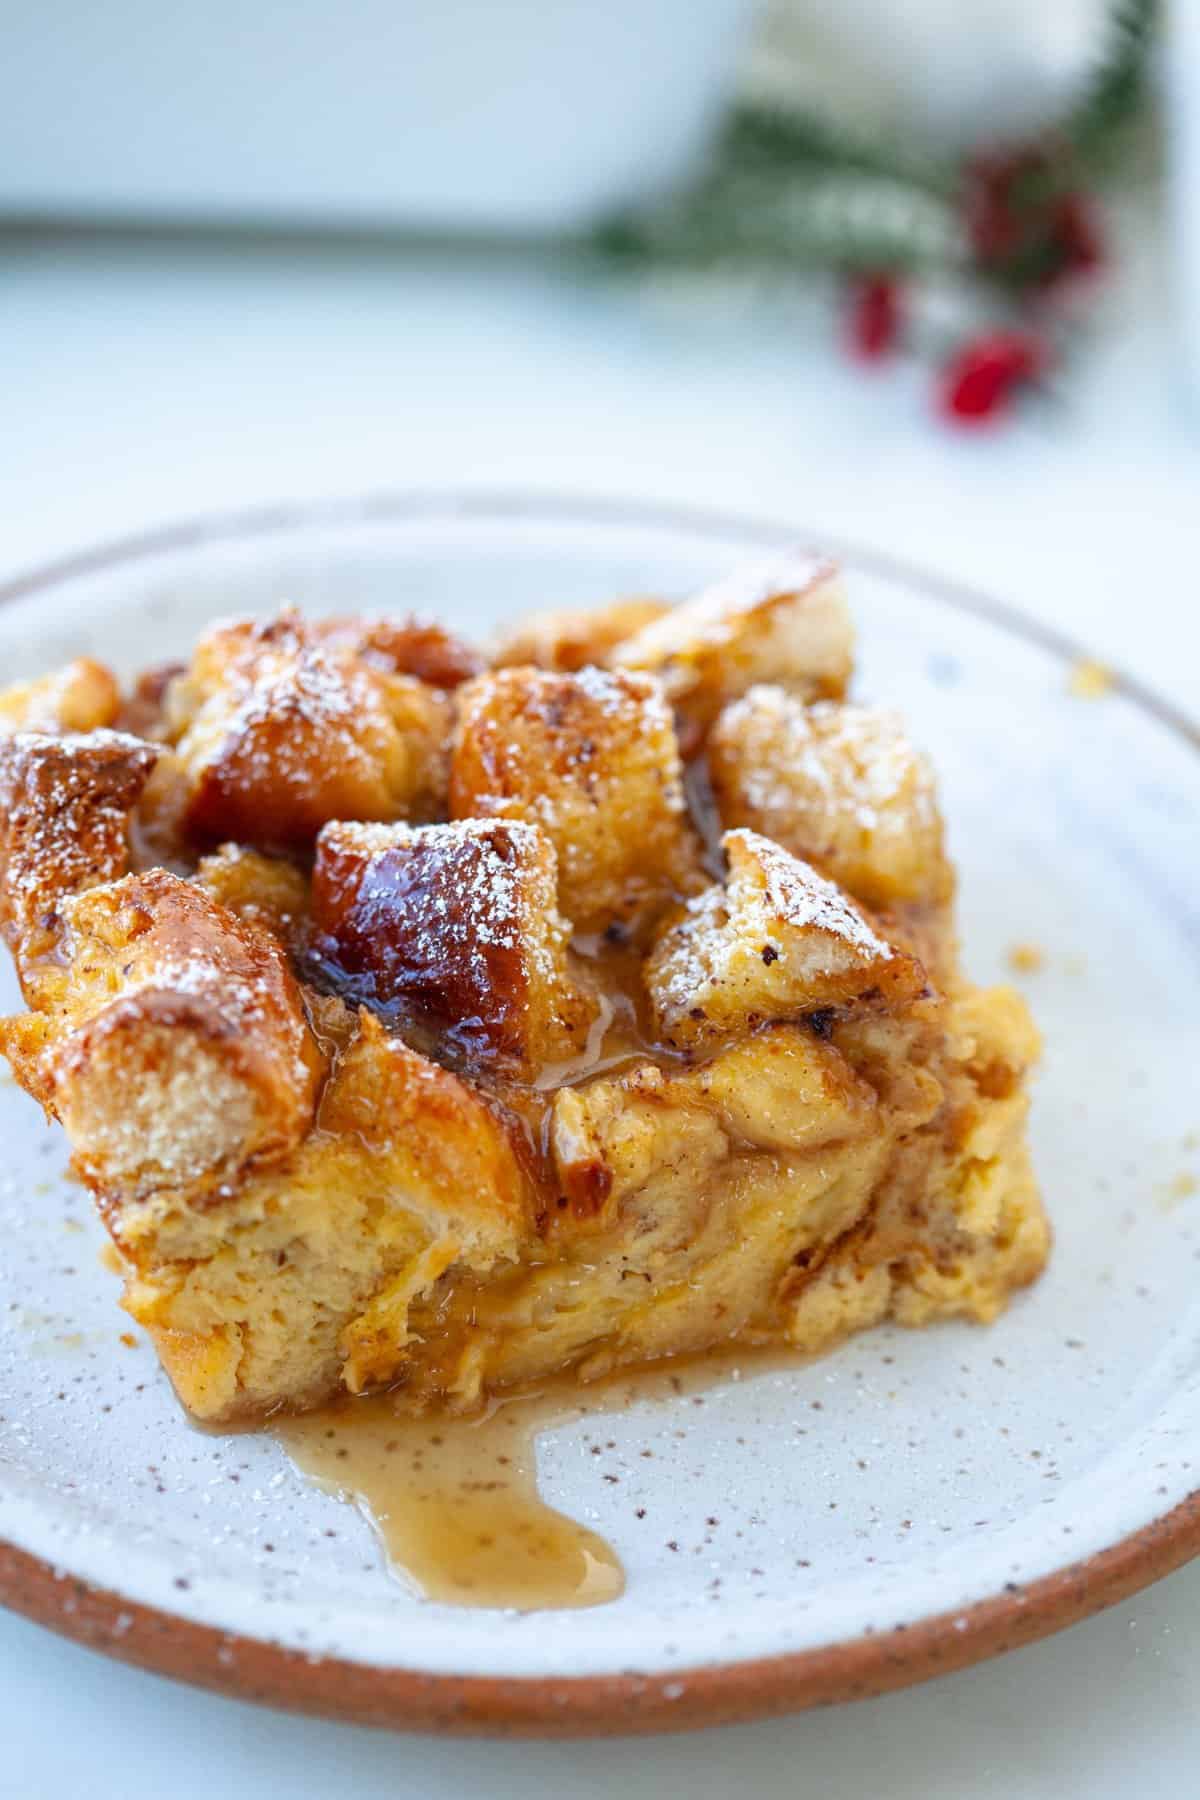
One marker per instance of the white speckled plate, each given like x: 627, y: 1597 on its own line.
x: 910, y: 1502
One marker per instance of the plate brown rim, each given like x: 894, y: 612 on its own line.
x: 249, y: 1668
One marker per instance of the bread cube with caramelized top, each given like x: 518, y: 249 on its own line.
x: 405, y: 646
x: 83, y: 696
x: 169, y: 1039
x: 592, y: 759
x: 65, y: 806
x: 841, y: 786
x: 776, y: 940
x: 785, y: 621
x: 279, y: 730
x: 575, y: 638
x: 454, y: 931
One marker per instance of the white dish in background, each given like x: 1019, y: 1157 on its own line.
x: 499, y: 115
x: 940, y: 1482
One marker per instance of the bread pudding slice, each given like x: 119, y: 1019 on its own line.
x: 437, y: 1023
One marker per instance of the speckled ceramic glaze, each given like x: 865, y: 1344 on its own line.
x: 973, y: 1487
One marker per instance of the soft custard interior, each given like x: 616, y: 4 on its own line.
x: 791, y: 1191
x: 362, y: 1104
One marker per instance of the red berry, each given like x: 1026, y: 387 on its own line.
x: 981, y: 378
x: 1002, y: 203
x: 1023, y: 225
x: 1077, y: 238
x: 874, y: 316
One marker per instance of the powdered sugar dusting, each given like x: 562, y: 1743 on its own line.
x: 177, y: 945
x: 794, y: 893
x: 493, y: 872
x: 452, y: 926
x: 822, y: 756
x: 81, y: 696
x: 278, y: 694
x: 479, y: 878
x: 717, y: 612
x: 778, y: 941
x: 66, y: 804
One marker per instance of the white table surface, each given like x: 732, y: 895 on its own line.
x: 142, y: 381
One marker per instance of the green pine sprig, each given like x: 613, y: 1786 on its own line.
x: 787, y: 191
x: 1114, y: 97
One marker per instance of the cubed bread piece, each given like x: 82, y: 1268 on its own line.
x: 170, y: 1040
x: 83, y: 696
x: 405, y: 646
x: 278, y: 732
x: 65, y: 804
x: 784, y: 621
x: 592, y: 759
x: 451, y: 1154
x: 267, y: 891
x: 144, y: 706
x: 572, y: 639
x: 454, y: 930
x: 776, y: 940
x: 840, y: 786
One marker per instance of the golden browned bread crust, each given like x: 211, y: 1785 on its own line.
x: 414, y: 1023
x: 410, y: 646
x: 279, y: 730
x: 268, y: 891
x: 569, y: 640
x: 305, y: 1279
x: 774, y: 940
x: 83, y: 696
x: 170, y: 1039
x: 784, y: 621
x: 840, y: 786
x: 454, y: 930
x: 65, y: 804
x: 592, y: 759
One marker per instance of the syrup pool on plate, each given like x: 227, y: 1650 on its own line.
x: 455, y: 1501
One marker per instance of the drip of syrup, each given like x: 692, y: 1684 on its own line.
x: 455, y: 1501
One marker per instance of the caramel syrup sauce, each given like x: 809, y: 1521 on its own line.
x: 455, y: 1501
x: 621, y: 1036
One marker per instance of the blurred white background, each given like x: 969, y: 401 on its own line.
x: 145, y: 377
